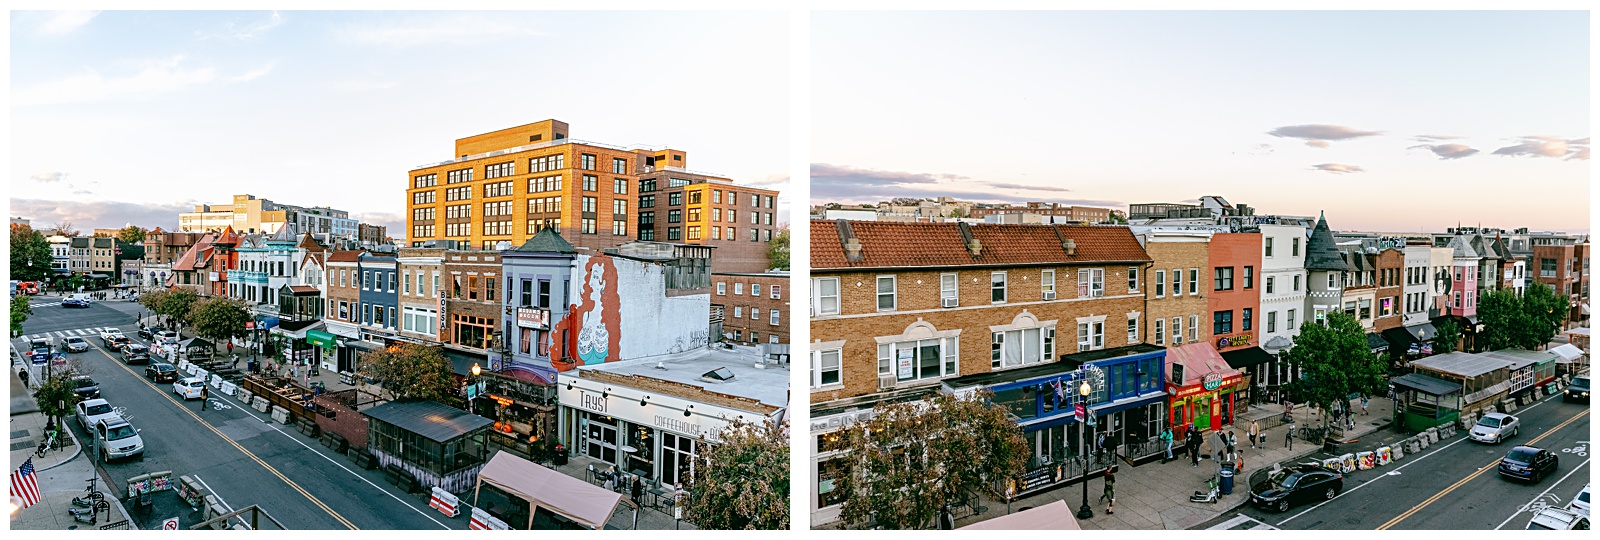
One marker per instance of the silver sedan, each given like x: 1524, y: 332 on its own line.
x: 1495, y: 427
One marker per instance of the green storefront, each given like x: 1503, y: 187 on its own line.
x: 326, y: 343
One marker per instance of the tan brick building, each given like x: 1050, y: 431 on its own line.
x: 755, y: 307
x: 472, y: 285
x: 1178, y: 286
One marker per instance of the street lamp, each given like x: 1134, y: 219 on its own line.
x: 472, y: 394
x: 1084, y: 512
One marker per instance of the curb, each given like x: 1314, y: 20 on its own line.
x: 77, y: 449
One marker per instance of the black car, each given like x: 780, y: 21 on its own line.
x: 149, y: 332
x: 1528, y: 463
x: 1296, y: 484
x: 1578, y: 390
x: 74, y: 303
x: 161, y: 372
x: 131, y: 349
x: 84, y: 387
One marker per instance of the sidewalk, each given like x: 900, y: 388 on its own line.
x: 1155, y: 496
x: 63, y: 474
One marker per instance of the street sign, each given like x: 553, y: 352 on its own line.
x: 171, y: 524
x: 250, y: 325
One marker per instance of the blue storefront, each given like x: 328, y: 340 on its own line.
x: 1126, y: 405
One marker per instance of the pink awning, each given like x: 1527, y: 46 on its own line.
x: 1050, y: 517
x: 575, y: 499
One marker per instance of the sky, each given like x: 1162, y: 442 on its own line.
x: 122, y: 117
x: 1388, y: 121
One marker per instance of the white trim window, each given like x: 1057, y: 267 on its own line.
x: 1296, y: 283
x: 777, y: 291
x: 1269, y: 284
x: 886, y: 296
x: 1091, y: 282
x: 738, y: 312
x: 1161, y: 332
x: 1161, y: 283
x: 1012, y: 348
x: 1272, y: 321
x: 1333, y: 282
x: 1091, y: 336
x: 1194, y: 328
x: 1047, y: 284
x: 825, y: 368
x: 926, y: 359
x: 755, y: 313
x: 1177, y: 282
x: 1289, y: 320
x: 824, y: 296
x: 738, y: 288
x: 755, y: 289
x: 997, y: 287
x: 1194, y: 281
x: 947, y: 290
x: 722, y: 288
x: 1133, y: 279
x: 773, y: 319
x: 1177, y: 330
x: 1133, y: 329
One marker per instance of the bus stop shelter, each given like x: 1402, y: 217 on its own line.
x: 534, y: 488
x: 1422, y: 402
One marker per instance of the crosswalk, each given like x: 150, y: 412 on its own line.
x: 46, y: 304
x: 80, y: 332
x: 1242, y: 522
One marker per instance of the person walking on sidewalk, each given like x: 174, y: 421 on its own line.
x: 1233, y: 442
x: 205, y: 395
x: 1255, y: 433
x: 23, y: 374
x: 1364, y: 399
x: 1166, y: 440
x: 1288, y: 435
x: 1192, y: 444
x: 1110, y: 493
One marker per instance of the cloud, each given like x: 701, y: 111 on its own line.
x: 1258, y: 150
x: 1448, y: 151
x: 459, y: 29
x: 254, y: 73
x: 1318, y: 135
x: 1548, y: 146
x: 232, y: 31
x: 361, y: 86
x: 156, y: 76
x: 87, y: 215
x: 1337, y: 168
x: 395, y: 222
x: 1436, y: 138
x: 64, y: 22
x: 48, y: 177
x: 852, y: 185
x: 1003, y: 185
x: 769, y: 182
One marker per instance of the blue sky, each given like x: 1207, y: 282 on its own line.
x: 131, y: 116
x: 1387, y: 120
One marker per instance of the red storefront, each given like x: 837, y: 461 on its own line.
x: 1202, y: 387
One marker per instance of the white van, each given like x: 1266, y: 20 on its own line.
x: 78, y: 296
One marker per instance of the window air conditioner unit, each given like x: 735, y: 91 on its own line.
x: 1049, y: 295
x: 950, y: 302
x: 886, y: 382
x: 1083, y: 346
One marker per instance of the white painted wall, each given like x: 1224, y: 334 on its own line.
x: 652, y: 323
x: 1282, y: 267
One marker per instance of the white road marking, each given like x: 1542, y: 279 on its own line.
x: 1536, y: 500
x: 219, y: 499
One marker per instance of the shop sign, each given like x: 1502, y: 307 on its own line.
x: 535, y: 318
x: 680, y: 426
x: 1039, y: 477
x: 592, y: 402
x: 1211, y: 381
x: 1235, y: 341
x: 903, y: 359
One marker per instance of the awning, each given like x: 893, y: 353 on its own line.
x: 461, y: 361
x: 1376, y: 342
x: 1568, y: 352
x: 99, y: 276
x: 1050, y: 517
x: 1246, y: 357
x: 1427, y: 385
x: 569, y: 497
x: 304, y: 290
x: 1403, y: 337
x: 320, y: 338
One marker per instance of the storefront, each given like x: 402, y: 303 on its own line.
x: 524, y: 415
x: 1203, y: 388
x: 324, y: 344
x: 1408, y: 343
x: 830, y: 466
x: 1256, y: 364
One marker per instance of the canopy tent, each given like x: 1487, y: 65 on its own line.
x: 1055, y: 516
x: 574, y: 499
x: 1568, y: 353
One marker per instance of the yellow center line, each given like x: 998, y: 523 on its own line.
x: 341, y: 519
x: 1486, y: 468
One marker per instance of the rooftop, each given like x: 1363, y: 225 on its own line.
x: 770, y: 385
x: 887, y: 244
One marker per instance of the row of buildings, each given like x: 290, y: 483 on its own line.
x: 1180, y: 319
x: 943, y: 209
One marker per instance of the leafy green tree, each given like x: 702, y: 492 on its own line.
x: 914, y: 458
x: 1505, y: 324
x: 411, y: 371
x: 1545, y: 312
x: 219, y: 319
x: 958, y: 212
x: 55, y: 396
x: 21, y: 308
x: 30, y: 254
x: 1118, y: 216
x: 1335, y: 362
x: 778, y: 250
x: 742, y: 481
x: 1449, y: 336
x: 174, y: 304
x: 131, y: 234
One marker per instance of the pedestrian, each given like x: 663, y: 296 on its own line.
x: 1192, y: 443
x: 637, y: 489
x: 205, y: 395
x: 1166, y: 438
x: 1364, y: 399
x: 1255, y: 433
x: 1288, y: 436
x: 23, y: 374
x: 1233, y: 442
x: 1111, y: 490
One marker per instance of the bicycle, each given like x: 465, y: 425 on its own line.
x: 91, y: 497
x: 52, y: 441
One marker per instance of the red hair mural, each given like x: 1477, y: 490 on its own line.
x: 591, y: 332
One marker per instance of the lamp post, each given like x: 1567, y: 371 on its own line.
x: 472, y: 394
x: 1084, y: 512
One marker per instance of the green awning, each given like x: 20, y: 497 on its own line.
x: 318, y: 337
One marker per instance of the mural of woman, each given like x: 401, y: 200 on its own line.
x: 590, y: 332
x: 593, y: 339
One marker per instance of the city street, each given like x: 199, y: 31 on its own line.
x: 243, y: 457
x: 1452, y: 485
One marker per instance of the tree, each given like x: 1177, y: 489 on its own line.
x: 1336, y: 362
x: 742, y: 481
x: 219, y: 318
x: 1546, y: 312
x: 914, y: 458
x: 131, y: 234
x: 31, y: 259
x: 411, y: 371
x: 65, y: 228
x: 1118, y: 216
x: 778, y: 250
x: 174, y: 304
x: 55, y: 395
x: 1505, y: 324
x: 20, y: 310
x: 958, y: 212
x: 1449, y: 336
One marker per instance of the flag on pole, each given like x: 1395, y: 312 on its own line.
x: 25, y: 484
x: 1057, y: 385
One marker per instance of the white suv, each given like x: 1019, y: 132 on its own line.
x: 118, y: 439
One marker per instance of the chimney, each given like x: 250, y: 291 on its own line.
x: 1071, y: 247
x: 975, y: 247
x: 852, y: 248
x: 847, y: 236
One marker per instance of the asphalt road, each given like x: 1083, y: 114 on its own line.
x: 1454, y: 485
x: 244, y: 457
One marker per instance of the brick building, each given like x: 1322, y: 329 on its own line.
x: 1562, y: 262
x: 473, y: 286
x: 1390, y: 264
x: 755, y: 307
x: 1235, y: 306
x: 1080, y: 214
x: 343, y: 315
x: 676, y: 205
x: 1177, y: 284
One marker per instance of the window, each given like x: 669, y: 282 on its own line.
x: 1294, y: 247
x: 674, y: 216
x: 1249, y: 277
x: 773, y: 319
x: 694, y: 215
x: 1267, y: 244
x: 591, y: 182
x: 947, y: 290
x: 824, y: 368
x: 586, y: 162
x: 499, y: 169
x: 1297, y: 282
x: 1288, y: 318
x: 1221, y: 322
x: 588, y: 225
x: 1244, y: 319
x: 738, y: 312
x: 423, y: 197
x: 366, y: 280
x: 1194, y: 328
x: 722, y: 288
x: 496, y: 228
x: 755, y: 200
x: 1133, y: 329
x: 673, y: 233
x: 619, y: 207
x: 541, y: 185
x: 547, y: 163
x: 544, y: 293
x: 755, y: 289
x: 1269, y: 284
x: 1177, y: 282
x: 755, y: 313
x: 1091, y: 335
x: 502, y: 208
x: 619, y: 166
x: 886, y: 299
x: 694, y: 232
x: 825, y: 292
x: 1385, y: 306
x: 1222, y: 278
x: 619, y: 186
x: 732, y: 218
x: 1272, y: 321
x: 1133, y: 279
x: 1161, y: 283
x: 1333, y: 282
x: 458, y: 194
x: 1161, y: 331
x: 1321, y: 316
x: 425, y: 180
x: 619, y: 226
x: 694, y: 197
x: 738, y: 288
x: 391, y: 276
x: 458, y: 176
x: 755, y: 218
x: 1177, y: 330
x: 776, y: 291
x: 923, y: 359
x: 997, y: 288
x: 1091, y: 282
x: 1194, y: 281
x: 497, y: 189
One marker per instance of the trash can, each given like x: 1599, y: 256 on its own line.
x: 1226, y: 479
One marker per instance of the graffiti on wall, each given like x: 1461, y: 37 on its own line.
x: 591, y: 332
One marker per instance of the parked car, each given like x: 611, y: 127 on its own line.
x: 188, y: 387
x: 118, y: 439
x: 161, y: 372
x: 92, y: 411
x: 1580, y: 502
x: 134, y: 353
x: 1559, y: 520
x: 74, y: 303
x: 149, y: 332
x: 1494, y: 427
x: 84, y: 387
x: 74, y: 344
x: 1578, y: 390
x: 1296, y: 484
x: 39, y: 345
x: 1528, y: 463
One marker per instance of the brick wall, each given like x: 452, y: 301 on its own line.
x: 347, y: 422
x: 1237, y: 251
x: 764, y: 302
x: 1184, y: 256
x: 1392, y: 261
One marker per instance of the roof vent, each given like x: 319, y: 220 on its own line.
x: 852, y: 248
x: 720, y: 374
x: 1071, y: 247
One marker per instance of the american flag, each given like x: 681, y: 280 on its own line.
x: 25, y: 484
